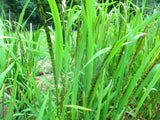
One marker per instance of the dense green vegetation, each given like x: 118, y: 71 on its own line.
x: 15, y: 7
x: 108, y: 67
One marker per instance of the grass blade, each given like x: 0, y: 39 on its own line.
x: 3, y: 74
x: 41, y: 112
x: 22, y: 14
x: 2, y: 49
x: 100, y: 97
x: 58, y: 37
x: 13, y: 97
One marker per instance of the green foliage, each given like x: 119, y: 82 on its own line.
x: 108, y: 68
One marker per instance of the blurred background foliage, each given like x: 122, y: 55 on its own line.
x: 14, y: 8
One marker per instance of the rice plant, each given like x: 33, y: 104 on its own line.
x: 106, y: 68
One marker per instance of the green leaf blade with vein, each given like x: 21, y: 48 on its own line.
x: 22, y: 14
x: 58, y: 37
x: 2, y: 49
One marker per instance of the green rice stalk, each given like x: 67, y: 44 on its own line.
x: 31, y: 54
x: 25, y: 22
x: 22, y: 14
x: 58, y: 38
x: 55, y: 72
x: 2, y: 49
x: 97, y: 117
x: 98, y: 74
x: 121, y: 22
x: 6, y: 41
x: 84, y: 2
x: 75, y: 88
x: 66, y: 52
x: 13, y: 98
x: 143, y: 5
x: 64, y: 79
x: 145, y: 75
x: 80, y: 56
x: 24, y: 33
x: 61, y: 15
x: 24, y: 55
x: 15, y: 46
x: 154, y: 61
x: 103, y: 25
x: 106, y: 107
x: 156, y: 77
x: 33, y: 39
x: 143, y: 82
x: 69, y: 16
x: 121, y: 27
x: 124, y: 100
x: 63, y: 91
x: 133, y: 58
x: 107, y: 24
x: 156, y: 35
x: 77, y: 39
x: 90, y: 43
x: 36, y: 46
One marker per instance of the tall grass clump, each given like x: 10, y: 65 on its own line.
x: 106, y: 68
